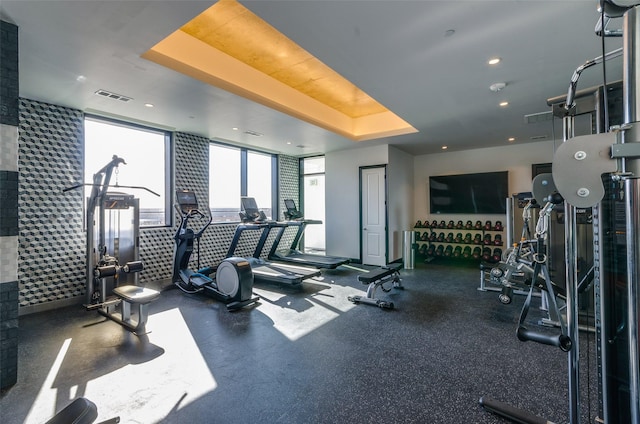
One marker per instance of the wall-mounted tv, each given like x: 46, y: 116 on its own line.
x: 483, y: 193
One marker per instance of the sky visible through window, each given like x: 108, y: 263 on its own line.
x: 144, y: 153
x: 224, y: 181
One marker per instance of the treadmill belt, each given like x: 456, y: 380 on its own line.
x: 317, y: 261
x: 281, y: 273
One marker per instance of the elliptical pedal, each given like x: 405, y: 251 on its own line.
x: 199, y: 280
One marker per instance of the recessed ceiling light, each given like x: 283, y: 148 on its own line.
x: 449, y: 32
x: 504, y: 104
x: 510, y: 139
x: 288, y: 142
x: 444, y: 147
x: 81, y: 78
x: 494, y: 61
x: 148, y: 104
x: 235, y: 128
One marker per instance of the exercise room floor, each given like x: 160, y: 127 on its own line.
x: 303, y: 355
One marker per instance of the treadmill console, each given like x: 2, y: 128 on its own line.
x: 250, y: 211
x: 292, y: 212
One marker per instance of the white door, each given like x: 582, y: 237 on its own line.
x: 373, y: 231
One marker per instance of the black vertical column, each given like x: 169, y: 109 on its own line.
x: 8, y: 204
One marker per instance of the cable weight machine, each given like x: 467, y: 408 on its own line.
x: 602, y: 171
x: 112, y: 253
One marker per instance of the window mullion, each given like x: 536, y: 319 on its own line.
x: 243, y: 173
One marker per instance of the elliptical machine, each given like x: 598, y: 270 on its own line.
x: 232, y: 282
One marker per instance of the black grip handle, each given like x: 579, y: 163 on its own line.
x: 557, y: 340
x: 135, y: 266
x: 105, y: 271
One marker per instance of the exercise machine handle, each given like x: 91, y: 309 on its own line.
x: 105, y: 271
x: 557, y: 340
x: 135, y: 266
x: 112, y: 186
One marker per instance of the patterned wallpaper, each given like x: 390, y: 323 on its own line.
x: 52, y: 239
x: 289, y: 182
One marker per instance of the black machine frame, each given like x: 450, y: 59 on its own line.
x: 264, y: 270
x: 292, y: 254
x: 230, y: 282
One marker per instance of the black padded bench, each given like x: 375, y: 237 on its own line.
x: 80, y: 411
x: 377, y: 278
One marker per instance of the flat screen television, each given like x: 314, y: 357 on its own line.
x: 482, y: 193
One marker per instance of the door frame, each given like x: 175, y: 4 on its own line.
x: 386, y: 210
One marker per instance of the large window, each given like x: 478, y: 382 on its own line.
x: 235, y: 172
x: 312, y: 170
x: 146, y: 153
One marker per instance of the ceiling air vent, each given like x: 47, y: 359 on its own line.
x: 253, y: 133
x: 114, y: 96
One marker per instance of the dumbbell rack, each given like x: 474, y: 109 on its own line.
x: 459, y: 241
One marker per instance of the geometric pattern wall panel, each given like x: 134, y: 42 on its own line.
x: 192, y: 166
x: 289, y: 188
x: 51, y: 241
x: 156, y: 253
x: 8, y: 259
x: 9, y: 147
x: 192, y: 173
x: 288, y: 180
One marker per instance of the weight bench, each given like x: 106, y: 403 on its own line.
x: 377, y: 278
x: 80, y: 411
x: 128, y: 296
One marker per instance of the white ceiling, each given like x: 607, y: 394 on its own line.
x: 396, y: 51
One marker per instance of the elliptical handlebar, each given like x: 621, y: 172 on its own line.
x: 191, y: 213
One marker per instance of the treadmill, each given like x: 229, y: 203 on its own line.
x: 292, y: 255
x: 254, y: 221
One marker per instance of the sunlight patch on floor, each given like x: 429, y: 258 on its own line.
x: 297, y: 317
x: 180, y: 369
x: 43, y: 406
x: 170, y: 359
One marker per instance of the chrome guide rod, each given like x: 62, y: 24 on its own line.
x: 571, y: 283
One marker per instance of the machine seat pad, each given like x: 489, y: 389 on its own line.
x: 377, y: 275
x: 80, y: 411
x: 136, y: 294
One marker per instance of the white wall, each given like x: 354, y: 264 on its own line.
x: 516, y: 158
x: 408, y: 186
x: 400, y: 194
x: 342, y: 179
